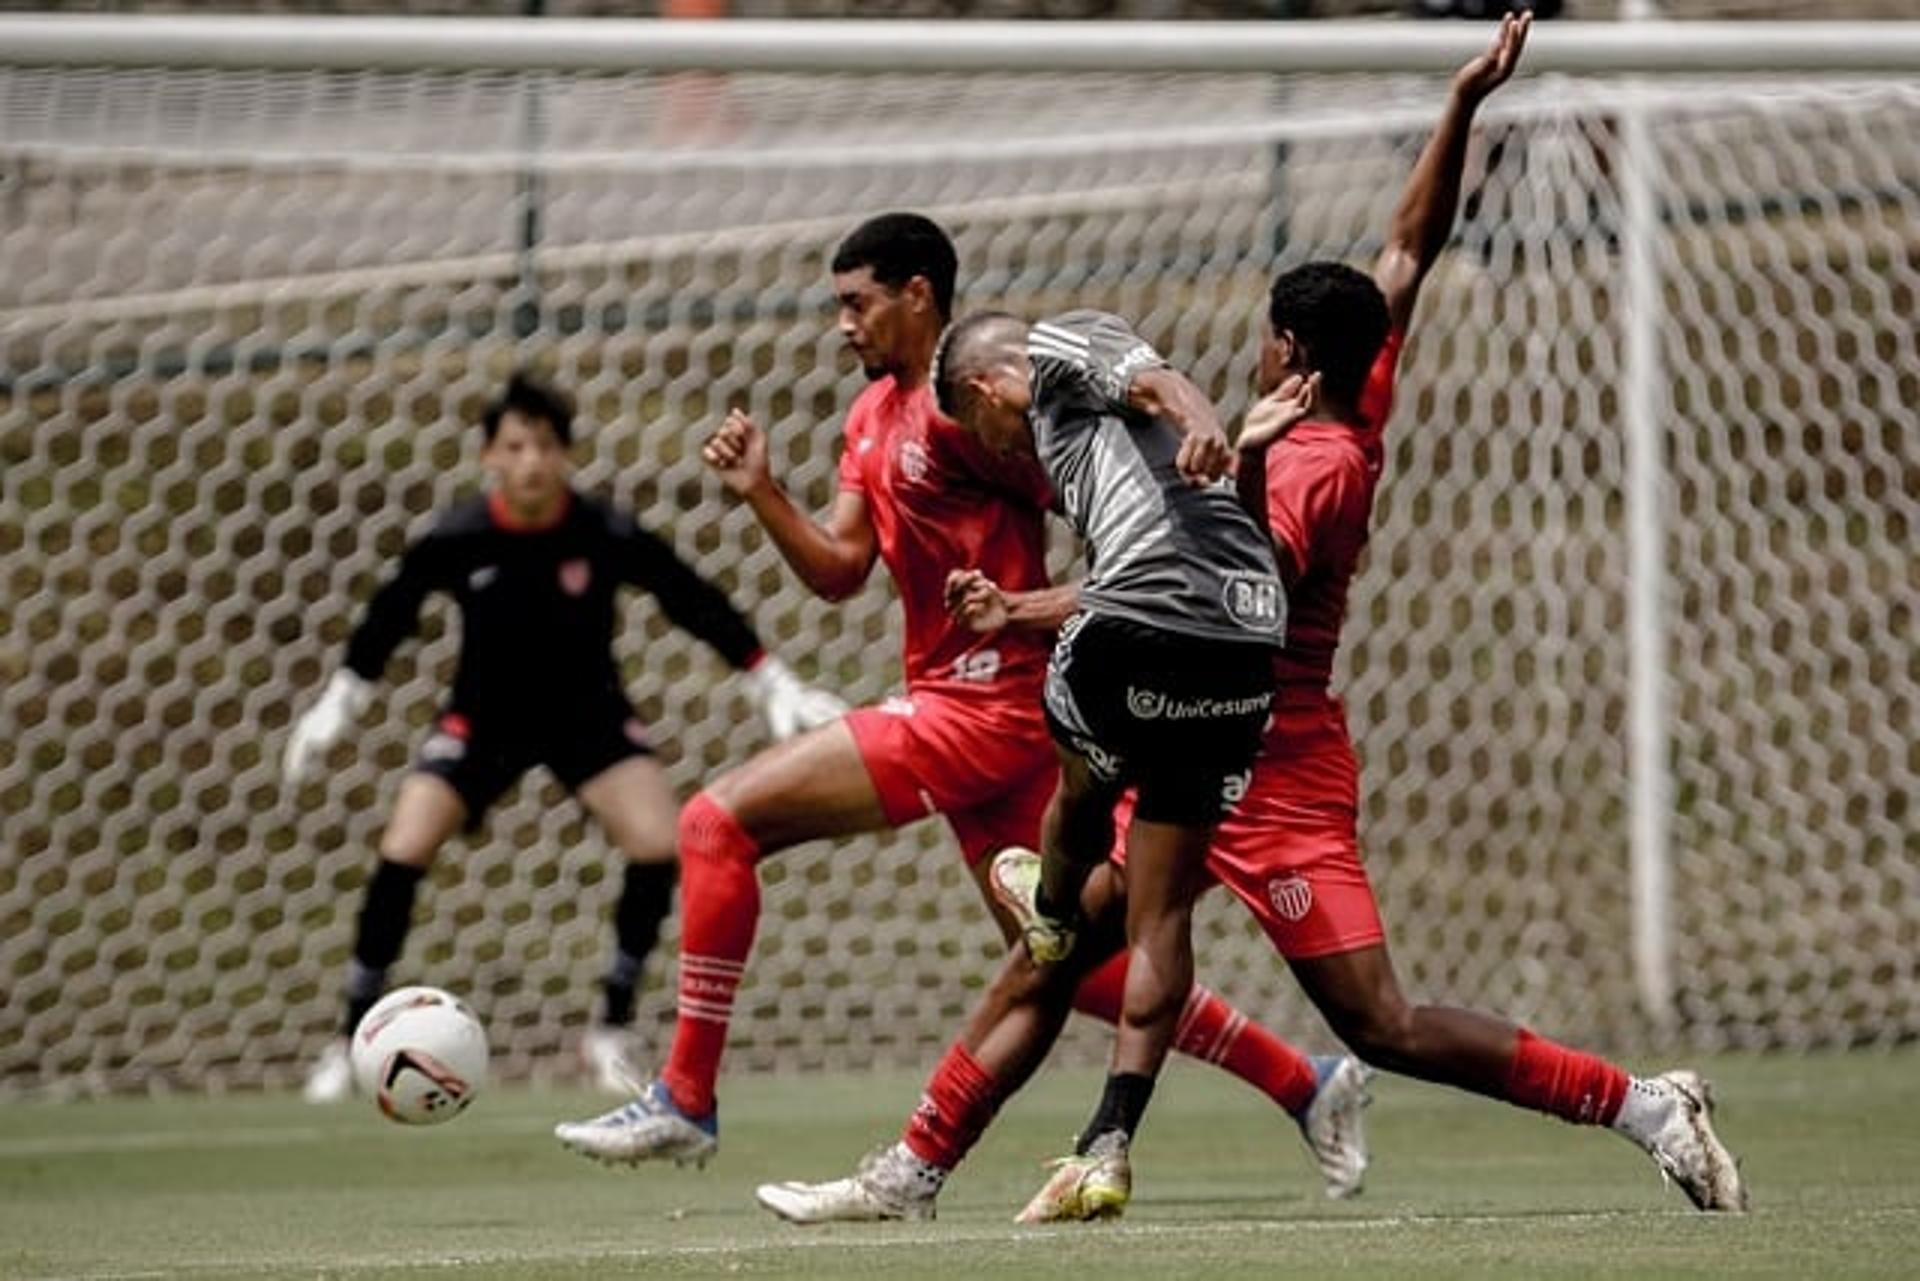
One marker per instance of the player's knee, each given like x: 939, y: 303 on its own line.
x: 408, y: 848
x: 758, y: 801
x: 654, y: 843
x: 708, y: 831
x: 1021, y: 983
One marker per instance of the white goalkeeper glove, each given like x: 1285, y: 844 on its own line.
x: 325, y: 723
x: 789, y: 705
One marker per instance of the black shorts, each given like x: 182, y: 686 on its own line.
x: 481, y: 760
x: 1177, y: 717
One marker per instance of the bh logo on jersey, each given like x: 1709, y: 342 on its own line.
x: 1254, y: 601
x: 575, y: 577
x: 1291, y: 896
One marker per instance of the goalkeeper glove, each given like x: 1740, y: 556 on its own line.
x: 325, y: 723
x: 789, y: 705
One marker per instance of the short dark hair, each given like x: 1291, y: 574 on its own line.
x: 533, y: 400
x: 1339, y: 315
x: 965, y: 348
x: 896, y: 247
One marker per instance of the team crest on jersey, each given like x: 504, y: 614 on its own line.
x: 1291, y: 896
x: 575, y: 576
x: 914, y: 461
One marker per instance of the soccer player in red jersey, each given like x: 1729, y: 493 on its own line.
x: 1290, y: 849
x: 968, y: 740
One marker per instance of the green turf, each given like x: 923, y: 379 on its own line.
x: 266, y: 1187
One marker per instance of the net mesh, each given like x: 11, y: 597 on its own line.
x: 248, y: 319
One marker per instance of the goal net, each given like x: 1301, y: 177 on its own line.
x: 248, y: 318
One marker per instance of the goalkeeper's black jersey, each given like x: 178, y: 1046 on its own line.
x: 537, y: 607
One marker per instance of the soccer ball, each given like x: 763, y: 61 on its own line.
x: 421, y: 1054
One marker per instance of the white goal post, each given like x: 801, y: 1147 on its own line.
x: 1630, y: 666
x: 591, y: 44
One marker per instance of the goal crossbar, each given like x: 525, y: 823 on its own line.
x: 869, y: 46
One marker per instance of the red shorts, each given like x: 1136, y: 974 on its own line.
x: 1290, y: 849
x: 988, y: 765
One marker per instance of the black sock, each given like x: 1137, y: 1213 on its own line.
x: 1121, y: 1107
x: 386, y: 913
x: 646, y: 896
x: 364, y: 989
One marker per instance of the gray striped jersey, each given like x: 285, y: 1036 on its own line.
x: 1163, y: 552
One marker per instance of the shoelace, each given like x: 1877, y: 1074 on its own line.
x: 641, y: 1109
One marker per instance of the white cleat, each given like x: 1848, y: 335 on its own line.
x: 1689, y: 1153
x: 606, y: 1056
x: 650, y: 1128
x: 1014, y: 877
x: 330, y: 1079
x: 884, y: 1187
x: 1335, y: 1124
x: 1085, y: 1188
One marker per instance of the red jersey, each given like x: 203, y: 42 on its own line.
x: 939, y: 502
x: 1320, y: 482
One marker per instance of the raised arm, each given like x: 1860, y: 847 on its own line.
x: 1423, y: 222
x: 1168, y: 394
x: 703, y: 609
x: 687, y: 599
x: 394, y: 610
x: 833, y: 559
x: 1103, y: 353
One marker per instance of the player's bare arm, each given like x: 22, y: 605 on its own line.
x: 1423, y: 222
x: 1205, y: 455
x: 1270, y: 418
x: 833, y: 558
x: 984, y: 606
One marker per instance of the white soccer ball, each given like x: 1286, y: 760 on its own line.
x: 422, y: 1054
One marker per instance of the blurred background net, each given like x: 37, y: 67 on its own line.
x: 247, y: 321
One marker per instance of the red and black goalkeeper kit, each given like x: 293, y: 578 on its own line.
x: 537, y: 681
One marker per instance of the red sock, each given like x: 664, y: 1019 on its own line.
x: 1215, y: 1032
x: 960, y: 1100
x: 1549, y: 1077
x: 719, y: 911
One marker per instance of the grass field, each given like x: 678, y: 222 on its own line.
x: 266, y: 1187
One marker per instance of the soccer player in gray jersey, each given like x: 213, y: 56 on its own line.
x: 1162, y: 681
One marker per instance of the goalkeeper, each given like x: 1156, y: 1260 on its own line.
x: 535, y: 567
